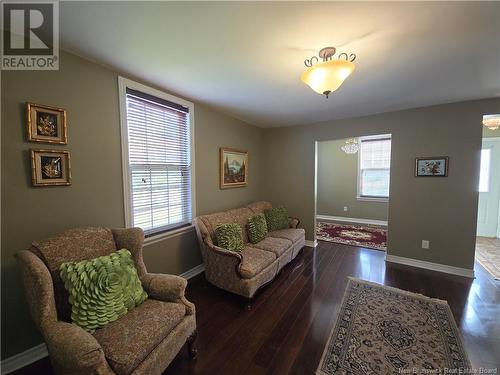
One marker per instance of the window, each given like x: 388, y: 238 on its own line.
x: 374, y: 161
x: 484, y: 172
x: 157, y: 159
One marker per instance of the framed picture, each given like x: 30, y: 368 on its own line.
x: 50, y: 167
x: 432, y: 167
x: 46, y: 124
x: 233, y: 168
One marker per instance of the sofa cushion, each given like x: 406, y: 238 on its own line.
x: 126, y: 342
x: 257, y: 228
x: 291, y: 234
x: 229, y: 237
x: 276, y: 218
x: 238, y: 215
x: 260, y: 207
x: 254, y: 261
x: 275, y: 245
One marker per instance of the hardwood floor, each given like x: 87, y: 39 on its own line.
x: 290, y: 320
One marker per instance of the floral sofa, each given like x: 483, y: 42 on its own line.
x: 244, y: 273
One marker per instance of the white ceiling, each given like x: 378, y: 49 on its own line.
x: 245, y: 58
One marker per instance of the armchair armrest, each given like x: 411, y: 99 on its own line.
x: 75, y: 351
x: 294, y: 222
x: 168, y: 288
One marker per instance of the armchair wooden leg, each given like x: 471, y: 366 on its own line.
x: 193, y: 352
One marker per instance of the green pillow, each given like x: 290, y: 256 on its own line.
x: 229, y: 237
x: 257, y: 228
x: 277, y: 218
x: 102, y: 289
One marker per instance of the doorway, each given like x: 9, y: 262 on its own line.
x: 352, y: 191
x: 488, y: 217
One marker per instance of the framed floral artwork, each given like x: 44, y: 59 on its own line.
x: 50, y: 167
x: 233, y: 168
x: 46, y: 124
x: 436, y: 166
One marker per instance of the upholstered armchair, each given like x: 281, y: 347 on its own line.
x: 144, y: 341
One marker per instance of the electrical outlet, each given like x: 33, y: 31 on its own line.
x: 345, y: 208
x: 425, y: 244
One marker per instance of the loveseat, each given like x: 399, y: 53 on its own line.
x: 245, y: 272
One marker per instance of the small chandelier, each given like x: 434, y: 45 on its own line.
x: 351, y: 146
x: 492, y: 122
x: 327, y: 76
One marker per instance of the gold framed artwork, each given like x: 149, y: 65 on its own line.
x: 50, y: 167
x: 46, y: 124
x: 233, y: 168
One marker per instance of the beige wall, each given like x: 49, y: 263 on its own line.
x: 337, y: 185
x: 441, y: 210
x: 89, y: 93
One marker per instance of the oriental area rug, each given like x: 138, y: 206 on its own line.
x: 384, y: 330
x: 369, y: 236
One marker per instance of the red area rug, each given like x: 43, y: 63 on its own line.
x: 369, y: 236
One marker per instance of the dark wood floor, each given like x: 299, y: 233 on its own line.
x: 290, y: 320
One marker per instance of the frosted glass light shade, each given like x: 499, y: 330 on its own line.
x: 327, y: 76
x: 491, y: 121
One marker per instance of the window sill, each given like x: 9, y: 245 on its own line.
x: 373, y: 199
x: 165, y: 236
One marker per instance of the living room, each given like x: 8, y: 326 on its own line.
x: 191, y: 121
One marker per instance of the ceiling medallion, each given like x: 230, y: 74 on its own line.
x: 351, y: 146
x: 327, y: 76
x: 492, y: 122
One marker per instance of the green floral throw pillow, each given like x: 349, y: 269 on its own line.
x: 257, y: 228
x: 229, y: 237
x: 102, y: 289
x: 277, y: 218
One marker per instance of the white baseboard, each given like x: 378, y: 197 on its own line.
x: 352, y: 220
x: 24, y: 359
x: 311, y: 243
x: 40, y: 351
x: 430, y: 266
x: 193, y: 271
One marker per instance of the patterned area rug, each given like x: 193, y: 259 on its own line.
x: 369, y: 236
x: 488, y: 254
x: 384, y: 330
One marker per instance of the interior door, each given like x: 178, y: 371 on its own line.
x: 489, y: 189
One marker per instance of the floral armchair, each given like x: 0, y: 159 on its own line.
x: 144, y: 341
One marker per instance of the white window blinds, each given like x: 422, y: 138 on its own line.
x: 159, y: 163
x: 374, y: 167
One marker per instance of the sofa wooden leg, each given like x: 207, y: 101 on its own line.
x: 193, y: 352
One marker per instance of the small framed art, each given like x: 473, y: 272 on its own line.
x: 436, y: 166
x: 233, y: 168
x: 50, y: 167
x: 46, y: 124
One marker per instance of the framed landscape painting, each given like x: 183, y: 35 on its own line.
x: 436, y: 166
x: 233, y: 168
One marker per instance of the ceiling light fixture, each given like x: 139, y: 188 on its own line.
x: 492, y: 122
x: 327, y: 76
x: 351, y: 146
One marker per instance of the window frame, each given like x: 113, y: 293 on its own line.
x: 359, y: 196
x: 488, y: 179
x: 123, y: 84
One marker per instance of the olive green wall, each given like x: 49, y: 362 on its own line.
x: 338, y: 185
x: 441, y: 210
x: 89, y: 92
x: 488, y: 133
